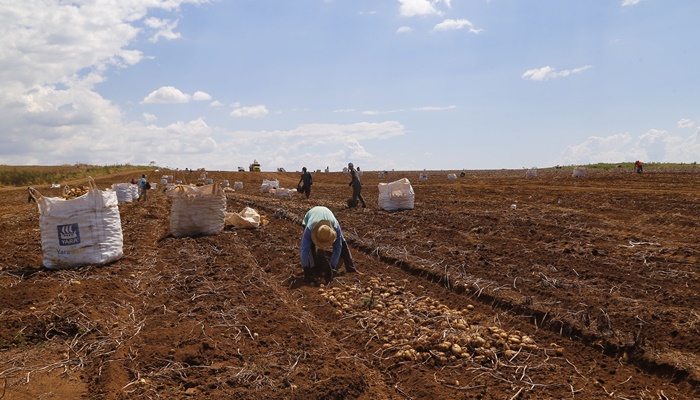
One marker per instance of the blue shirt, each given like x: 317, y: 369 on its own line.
x: 312, y: 217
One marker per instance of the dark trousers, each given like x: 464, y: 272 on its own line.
x: 323, y: 266
x: 306, y: 190
x: 356, y: 194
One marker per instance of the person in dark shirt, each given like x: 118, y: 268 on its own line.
x: 305, y: 182
x: 356, y: 184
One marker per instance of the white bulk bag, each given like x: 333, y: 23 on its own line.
x: 197, y: 210
x: 423, y: 177
x: 248, y: 218
x: 134, y: 192
x: 281, y: 192
x: 531, y: 173
x: 451, y: 176
x: 579, y: 172
x: 397, y: 195
x: 267, y: 185
x: 238, y: 185
x: 86, y: 230
x: 123, y: 191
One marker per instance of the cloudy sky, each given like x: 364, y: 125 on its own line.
x: 386, y: 84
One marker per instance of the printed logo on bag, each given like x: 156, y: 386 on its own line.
x: 68, y: 234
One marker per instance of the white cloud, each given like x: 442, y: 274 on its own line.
x: 374, y: 112
x: 251, y: 112
x: 325, y: 144
x: 201, y: 96
x: 595, y: 149
x: 626, y: 3
x: 53, y: 54
x: 410, y: 8
x: 320, y: 134
x: 357, y: 151
x: 400, y: 110
x: 455, y: 24
x: 435, y: 108
x: 47, y: 43
x: 685, y: 123
x: 164, y: 29
x: 216, y: 103
x: 404, y: 29
x: 193, y: 137
x: 545, y: 73
x: 652, y: 146
x: 166, y: 95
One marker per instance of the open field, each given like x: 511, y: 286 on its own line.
x: 586, y: 288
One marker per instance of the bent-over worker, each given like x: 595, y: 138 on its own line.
x: 321, y: 231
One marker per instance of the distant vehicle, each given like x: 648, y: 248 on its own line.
x: 280, y: 169
x: 241, y: 169
x: 255, y: 166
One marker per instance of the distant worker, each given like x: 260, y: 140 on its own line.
x: 143, y: 182
x: 30, y: 198
x: 322, y: 230
x: 305, y: 182
x: 638, y: 167
x: 356, y: 184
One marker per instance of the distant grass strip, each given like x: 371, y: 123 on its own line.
x: 43, y: 175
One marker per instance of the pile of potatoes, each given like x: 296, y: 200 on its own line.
x: 73, y: 192
x: 413, y: 328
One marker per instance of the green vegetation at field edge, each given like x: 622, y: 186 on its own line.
x: 37, y: 175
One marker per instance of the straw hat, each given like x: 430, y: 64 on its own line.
x: 323, y: 234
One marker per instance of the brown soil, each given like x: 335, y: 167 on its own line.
x: 586, y: 288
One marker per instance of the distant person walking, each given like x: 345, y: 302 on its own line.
x: 322, y: 230
x: 143, y: 187
x: 356, y: 184
x: 305, y: 182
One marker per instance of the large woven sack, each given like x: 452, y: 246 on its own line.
x: 197, y: 210
x: 248, y: 218
x: 86, y: 230
x: 397, y: 195
x: 124, y: 192
x: 268, y: 185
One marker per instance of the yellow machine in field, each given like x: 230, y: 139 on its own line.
x: 255, y: 166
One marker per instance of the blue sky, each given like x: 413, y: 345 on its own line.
x: 386, y: 84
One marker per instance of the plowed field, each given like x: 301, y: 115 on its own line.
x: 495, y: 286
